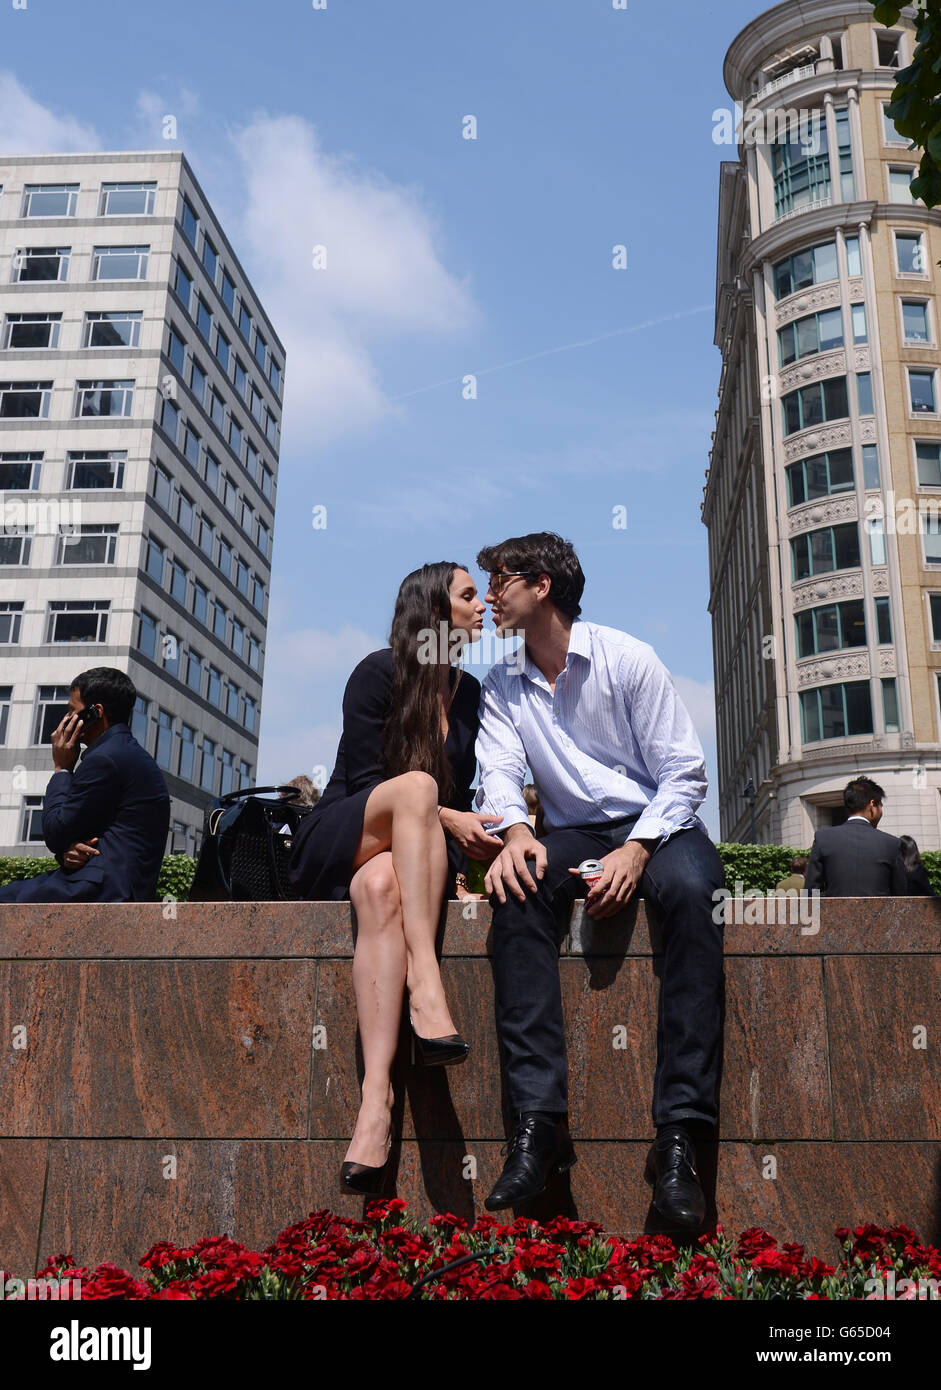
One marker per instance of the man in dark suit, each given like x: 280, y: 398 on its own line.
x: 106, y: 822
x: 855, y: 860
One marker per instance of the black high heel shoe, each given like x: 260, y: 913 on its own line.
x: 363, y: 1180
x: 437, y: 1052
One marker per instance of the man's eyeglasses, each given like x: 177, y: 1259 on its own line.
x: 498, y: 581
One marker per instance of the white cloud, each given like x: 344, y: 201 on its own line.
x: 28, y: 127
x: 383, y: 276
x: 699, y: 697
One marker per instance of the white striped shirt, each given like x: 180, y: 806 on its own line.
x: 613, y: 740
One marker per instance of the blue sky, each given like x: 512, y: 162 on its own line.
x: 596, y: 386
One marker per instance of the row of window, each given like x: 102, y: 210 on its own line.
x: 824, y: 331
x: 193, y: 670
x: 99, y: 329
x: 201, y: 242
x: 837, y: 547
x: 32, y: 264
x: 844, y: 710
x: 836, y: 626
x: 803, y: 172
x: 824, y: 401
x: 84, y: 469
x: 137, y: 200
x: 98, y: 399
x: 88, y: 544
x: 178, y: 504
x: 190, y: 443
x: 193, y: 372
x: 818, y: 265
x: 827, y: 474
x: 168, y: 570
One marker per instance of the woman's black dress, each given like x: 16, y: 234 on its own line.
x: 325, y: 842
x: 919, y: 884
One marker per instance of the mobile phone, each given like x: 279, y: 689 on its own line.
x: 88, y: 715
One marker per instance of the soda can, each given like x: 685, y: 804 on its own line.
x: 591, y: 870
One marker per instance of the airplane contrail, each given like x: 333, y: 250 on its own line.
x: 565, y: 347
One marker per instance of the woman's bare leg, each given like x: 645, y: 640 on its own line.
x: 401, y: 817
x: 379, y: 966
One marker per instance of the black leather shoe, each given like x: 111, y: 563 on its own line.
x: 366, y: 1181
x: 671, y: 1172
x: 537, y: 1148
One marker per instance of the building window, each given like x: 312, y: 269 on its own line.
x: 147, y: 635
x: 876, y: 528
x: 170, y: 649
x: 191, y: 443
x: 921, y: 391
x: 164, y: 749
x: 93, y: 545
x: 119, y: 262
x: 801, y: 171
x: 78, y: 620
x: 210, y: 258
x: 870, y: 466
x: 222, y: 352
x: 185, y: 513
x: 240, y: 379
x: 154, y: 558
x: 928, y: 463
x: 41, y: 263
x: 10, y: 614
x: 267, y: 482
x: 232, y: 701
x: 112, y: 329
x: 245, y: 323
x: 250, y: 716
x: 817, y: 333
x: 883, y: 622
x: 200, y: 602
x: 176, y: 351
x: 140, y: 721
x: 910, y: 254
x: 242, y: 578
x: 228, y: 773
x: 189, y: 222
x: 245, y: 774
x: 935, y: 606
x: 183, y: 286
x: 178, y: 578
x: 169, y: 418
x: 32, y: 821
x: 203, y: 318
x: 888, y: 49
x: 274, y: 376
x: 230, y: 496
x: 194, y: 671
x: 207, y: 778
x: 162, y: 488
x: 20, y: 472
x: 214, y: 687
x: 900, y: 178
x: 890, y: 705
x: 890, y: 135
x: 256, y: 405
x: 930, y: 527
x: 95, y: 469
x: 217, y: 410
x: 235, y: 437
x: 31, y: 331
x: 14, y: 547
x: 261, y: 348
x: 207, y: 538
x: 187, y: 752
x: 224, y: 563
x: 254, y: 653
x: 864, y: 393
x: 820, y: 552
x: 220, y: 621
x: 830, y: 628
x: 815, y: 404
x: 860, y: 329
x: 238, y: 638
x: 6, y: 700
x: 264, y: 540
x: 49, y: 200
x: 915, y: 321
x: 51, y: 708
x: 127, y: 199
x: 836, y: 711
x: 198, y: 381
x: 228, y: 292
x: 844, y: 153
x: 258, y: 594
x: 102, y: 399
x: 25, y: 400
x: 854, y: 265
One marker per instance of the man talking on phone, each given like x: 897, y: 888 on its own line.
x: 105, y: 818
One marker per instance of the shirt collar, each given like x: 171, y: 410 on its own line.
x: 579, y: 645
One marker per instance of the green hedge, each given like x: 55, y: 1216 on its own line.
x: 173, y: 881
x: 759, y: 868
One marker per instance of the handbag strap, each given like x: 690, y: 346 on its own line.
x: 230, y: 798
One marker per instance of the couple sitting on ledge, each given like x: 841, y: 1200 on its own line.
x: 620, y: 774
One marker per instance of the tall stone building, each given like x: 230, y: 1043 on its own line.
x: 140, y: 409
x: 823, y: 495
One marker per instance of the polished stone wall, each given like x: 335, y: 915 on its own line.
x: 175, y: 1078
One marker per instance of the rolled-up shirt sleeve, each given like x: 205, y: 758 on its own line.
x: 501, y: 760
x: 668, y: 744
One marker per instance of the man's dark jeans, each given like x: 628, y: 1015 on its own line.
x: 678, y: 883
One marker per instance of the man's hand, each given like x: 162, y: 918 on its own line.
x: 510, y: 866
x: 65, y: 746
x: 79, y: 854
x: 623, y: 870
x: 467, y: 827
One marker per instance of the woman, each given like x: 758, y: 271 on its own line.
x: 919, y: 884
x: 393, y: 823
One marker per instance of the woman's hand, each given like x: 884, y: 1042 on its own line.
x: 467, y: 827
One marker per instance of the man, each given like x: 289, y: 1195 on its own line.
x: 620, y: 773
x: 106, y: 821
x: 855, y: 860
x: 795, y: 879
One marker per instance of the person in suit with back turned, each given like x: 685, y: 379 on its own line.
x: 855, y: 860
x: 106, y: 820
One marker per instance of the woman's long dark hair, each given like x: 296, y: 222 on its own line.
x: 413, y: 738
x: 910, y: 855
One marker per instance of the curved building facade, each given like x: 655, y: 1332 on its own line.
x: 823, y: 495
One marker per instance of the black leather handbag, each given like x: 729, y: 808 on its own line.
x: 246, y: 848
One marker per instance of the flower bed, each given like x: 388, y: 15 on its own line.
x: 388, y: 1256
